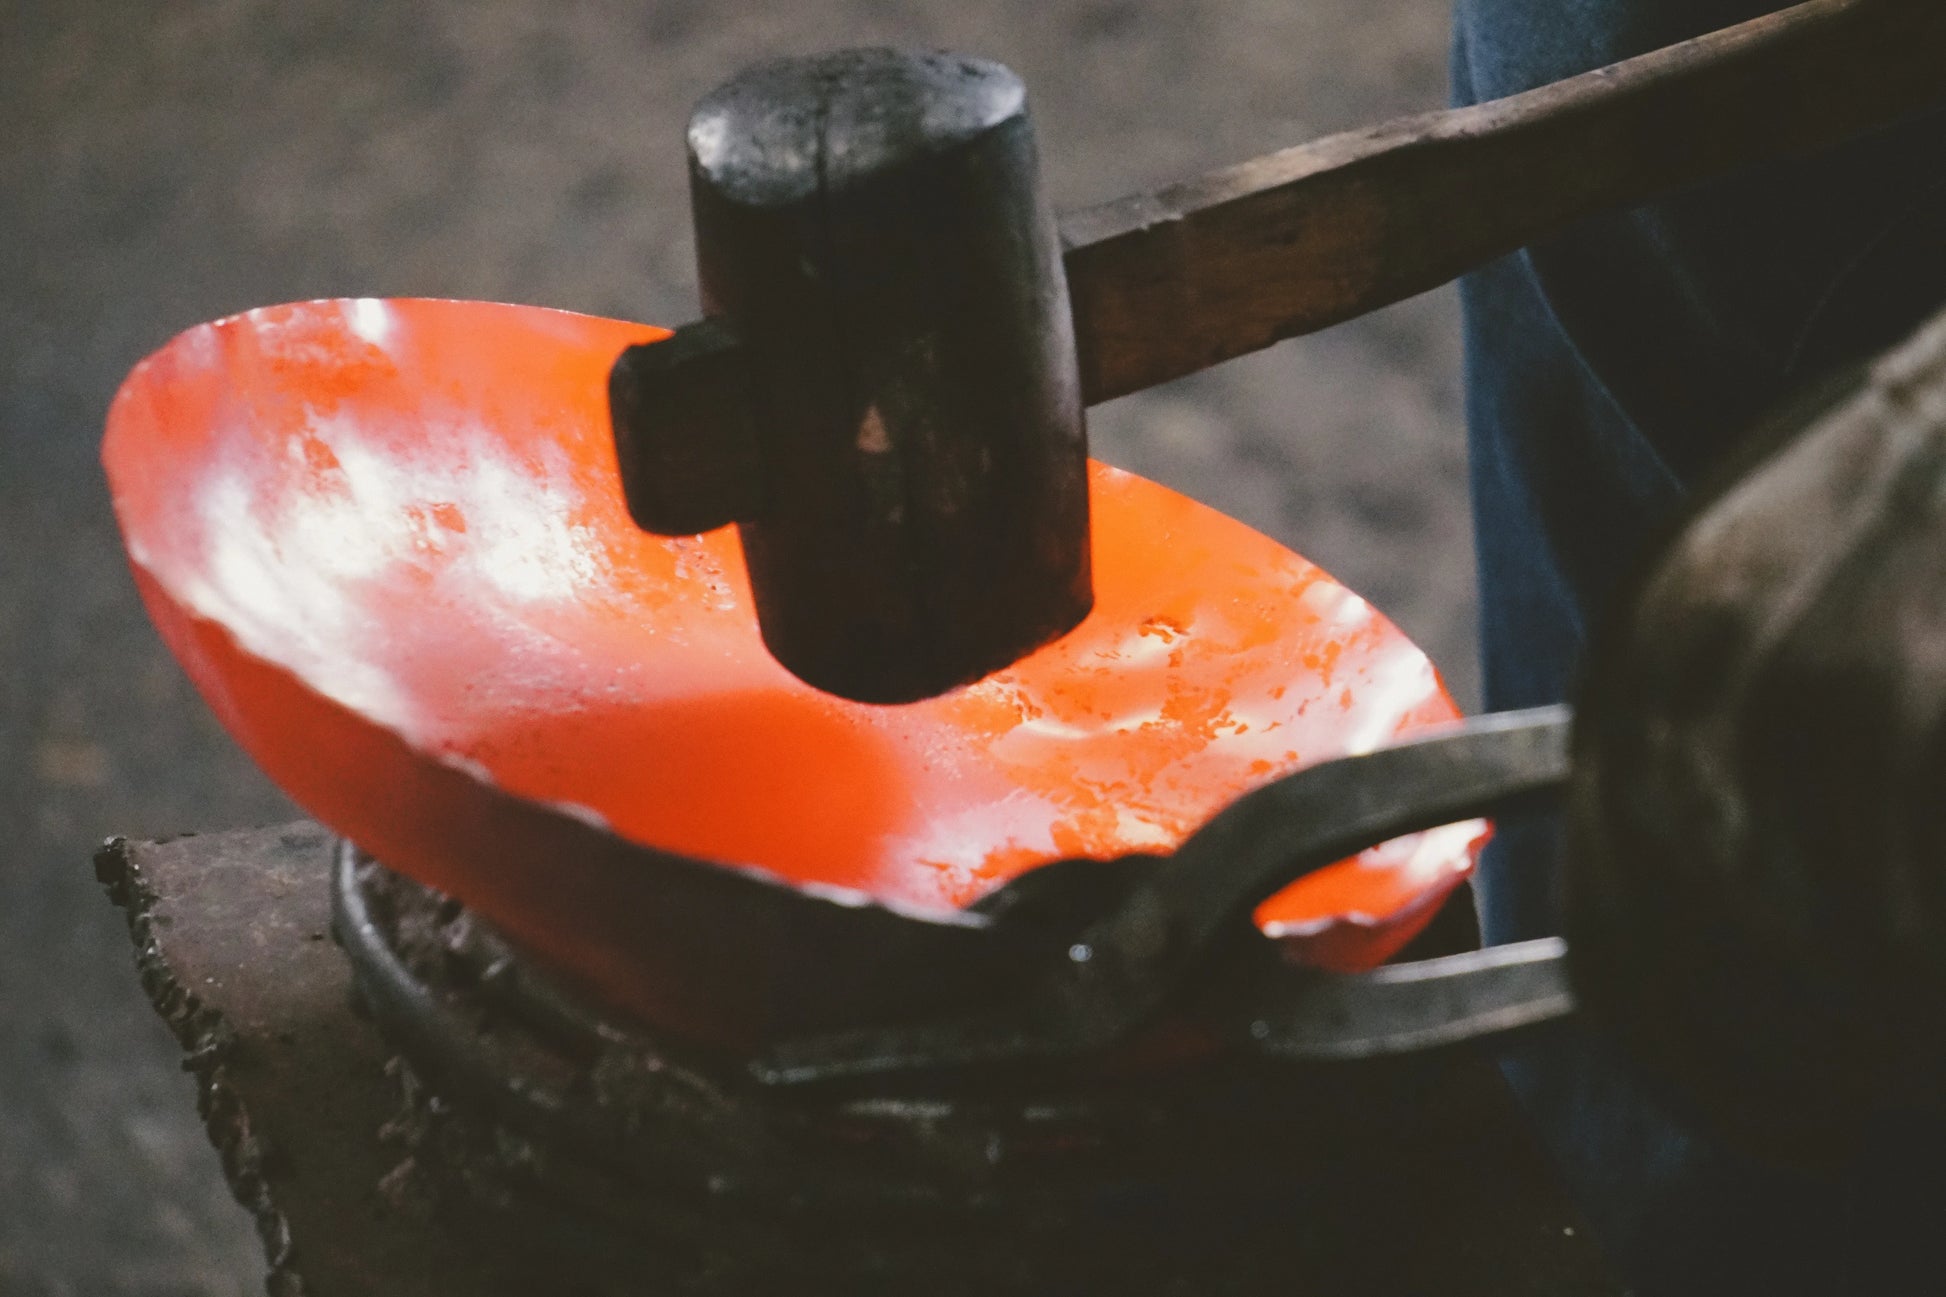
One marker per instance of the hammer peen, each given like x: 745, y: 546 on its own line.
x: 886, y: 390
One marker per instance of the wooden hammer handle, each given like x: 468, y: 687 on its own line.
x: 1168, y: 283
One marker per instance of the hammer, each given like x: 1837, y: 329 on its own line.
x: 886, y: 391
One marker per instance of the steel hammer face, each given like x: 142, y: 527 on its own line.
x: 883, y: 393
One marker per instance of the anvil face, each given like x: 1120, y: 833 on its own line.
x: 387, y: 540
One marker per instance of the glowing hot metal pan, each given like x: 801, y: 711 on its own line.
x: 386, y: 540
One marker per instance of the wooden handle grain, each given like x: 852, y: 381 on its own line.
x: 1168, y: 283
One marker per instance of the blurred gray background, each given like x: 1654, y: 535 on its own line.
x: 164, y: 162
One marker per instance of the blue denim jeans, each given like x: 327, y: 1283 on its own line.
x: 1607, y: 369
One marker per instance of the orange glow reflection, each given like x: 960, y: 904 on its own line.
x: 403, y: 518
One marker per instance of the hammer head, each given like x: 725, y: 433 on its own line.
x: 884, y: 394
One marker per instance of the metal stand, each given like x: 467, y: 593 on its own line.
x: 1409, y: 1176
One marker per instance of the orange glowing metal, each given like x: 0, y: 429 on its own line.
x: 387, y: 541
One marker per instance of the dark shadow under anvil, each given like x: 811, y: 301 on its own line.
x: 233, y: 946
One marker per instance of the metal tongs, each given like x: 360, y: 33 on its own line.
x: 1129, y: 941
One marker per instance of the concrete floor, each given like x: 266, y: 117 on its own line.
x: 165, y: 164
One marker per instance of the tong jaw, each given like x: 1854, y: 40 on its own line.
x: 1128, y: 943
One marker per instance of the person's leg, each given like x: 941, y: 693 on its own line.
x: 1606, y: 371
x: 1677, y: 1215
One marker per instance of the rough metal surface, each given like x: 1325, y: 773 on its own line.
x: 231, y: 938
x: 164, y: 164
x: 1369, y: 1180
